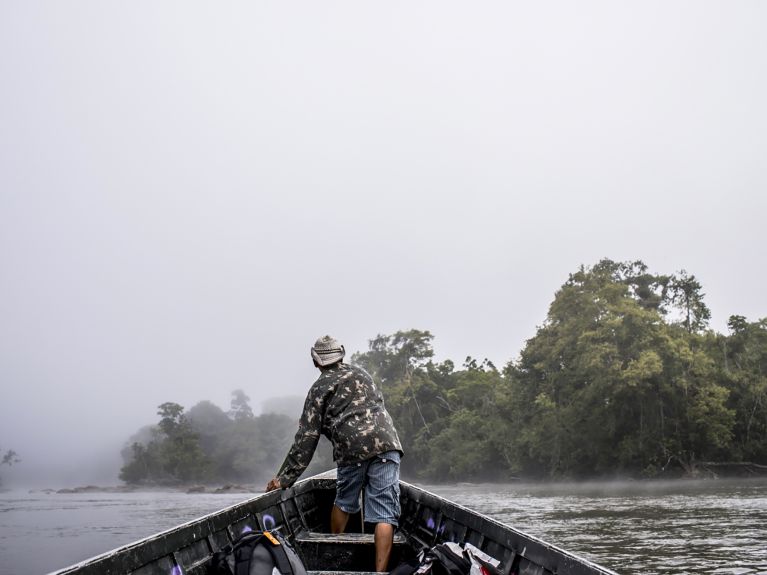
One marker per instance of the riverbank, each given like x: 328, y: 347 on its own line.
x: 189, y: 489
x: 708, y: 471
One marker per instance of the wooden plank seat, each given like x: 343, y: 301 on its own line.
x: 305, y: 536
x: 344, y: 552
x: 325, y: 572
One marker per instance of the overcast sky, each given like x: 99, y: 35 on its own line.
x: 191, y: 193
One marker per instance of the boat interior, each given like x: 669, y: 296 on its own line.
x: 302, y: 516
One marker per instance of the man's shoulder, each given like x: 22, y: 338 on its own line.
x: 341, y: 372
x: 357, y: 372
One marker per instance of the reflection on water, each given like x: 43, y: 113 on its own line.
x: 633, y: 528
x: 638, y: 527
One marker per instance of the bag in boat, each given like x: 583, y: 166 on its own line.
x: 257, y: 553
x: 450, y: 559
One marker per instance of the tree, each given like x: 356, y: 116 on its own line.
x: 172, y: 418
x: 687, y: 295
x: 174, y: 454
x: 744, y: 371
x: 10, y: 458
x: 240, y: 406
x: 139, y: 456
x: 608, y: 386
x: 394, y: 357
x: 143, y: 464
x: 432, y: 403
x: 467, y: 448
x: 253, y: 448
x: 622, y: 378
x: 211, y: 424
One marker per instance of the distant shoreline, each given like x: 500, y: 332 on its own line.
x: 206, y: 489
x: 255, y: 489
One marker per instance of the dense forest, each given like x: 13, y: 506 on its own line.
x: 624, y: 378
x: 206, y: 444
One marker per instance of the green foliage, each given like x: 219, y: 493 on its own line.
x: 622, y: 379
x: 173, y: 455
x: 686, y: 294
x: 608, y: 385
x: 207, y: 444
x: 441, y: 414
x: 744, y: 371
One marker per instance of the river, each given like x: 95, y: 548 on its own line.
x: 634, y: 528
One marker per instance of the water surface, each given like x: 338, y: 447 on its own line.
x: 635, y: 528
x: 43, y: 532
x: 639, y: 527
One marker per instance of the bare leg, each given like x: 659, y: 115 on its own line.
x: 338, y: 520
x: 384, y: 539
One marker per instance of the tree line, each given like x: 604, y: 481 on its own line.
x: 623, y: 378
x: 207, y: 444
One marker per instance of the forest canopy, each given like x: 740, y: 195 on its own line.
x: 623, y: 378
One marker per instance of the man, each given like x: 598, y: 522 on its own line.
x: 345, y: 406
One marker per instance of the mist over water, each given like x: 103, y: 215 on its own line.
x: 634, y: 528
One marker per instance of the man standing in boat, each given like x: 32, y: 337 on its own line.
x: 345, y: 406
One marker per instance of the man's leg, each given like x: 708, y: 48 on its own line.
x: 338, y: 520
x: 384, y: 539
x: 349, y: 482
x: 382, y: 505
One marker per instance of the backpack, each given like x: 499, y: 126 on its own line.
x: 449, y: 559
x: 257, y: 553
x: 439, y: 560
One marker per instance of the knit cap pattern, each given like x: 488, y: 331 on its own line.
x: 327, y: 351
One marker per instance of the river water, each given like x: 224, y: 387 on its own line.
x: 634, y: 528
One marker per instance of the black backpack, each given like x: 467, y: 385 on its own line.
x: 439, y: 560
x: 257, y: 553
x: 447, y: 562
x: 443, y: 559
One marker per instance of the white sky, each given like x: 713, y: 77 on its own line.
x: 191, y: 193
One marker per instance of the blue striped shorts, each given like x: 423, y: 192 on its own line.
x: 379, y: 476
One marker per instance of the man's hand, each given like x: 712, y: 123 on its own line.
x: 273, y: 484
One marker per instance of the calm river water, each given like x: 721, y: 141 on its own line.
x: 635, y: 528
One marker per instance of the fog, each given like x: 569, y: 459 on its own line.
x: 191, y: 194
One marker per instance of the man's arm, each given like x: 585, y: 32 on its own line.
x: 301, y: 452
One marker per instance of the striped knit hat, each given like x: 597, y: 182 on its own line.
x: 327, y: 351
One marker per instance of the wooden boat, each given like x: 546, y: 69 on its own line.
x: 302, y: 514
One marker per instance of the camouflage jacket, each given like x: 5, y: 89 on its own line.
x: 345, y: 406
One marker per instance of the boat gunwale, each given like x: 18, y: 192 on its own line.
x: 221, y: 518
x: 503, y: 527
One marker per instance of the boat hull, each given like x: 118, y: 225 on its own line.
x: 302, y: 514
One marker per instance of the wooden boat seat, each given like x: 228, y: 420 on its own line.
x: 342, y: 573
x: 305, y: 536
x: 342, y: 553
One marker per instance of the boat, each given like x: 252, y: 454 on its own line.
x: 302, y: 515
